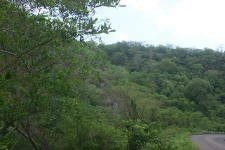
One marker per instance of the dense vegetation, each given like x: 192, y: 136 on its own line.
x: 59, y: 92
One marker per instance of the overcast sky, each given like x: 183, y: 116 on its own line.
x: 185, y: 23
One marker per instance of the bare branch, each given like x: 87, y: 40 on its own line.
x: 7, y: 52
x: 27, y: 135
x: 7, y: 30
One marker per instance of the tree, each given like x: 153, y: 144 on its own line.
x: 75, y: 16
x: 200, y: 91
x: 41, y: 69
x: 166, y: 65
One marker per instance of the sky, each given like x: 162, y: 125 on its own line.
x: 184, y: 23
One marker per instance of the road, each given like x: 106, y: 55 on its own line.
x: 209, y: 141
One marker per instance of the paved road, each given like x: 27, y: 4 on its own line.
x: 209, y: 141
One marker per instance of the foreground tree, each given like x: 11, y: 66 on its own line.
x: 75, y: 16
x: 41, y: 69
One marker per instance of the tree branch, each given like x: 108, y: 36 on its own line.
x: 7, y: 52
x: 24, y: 53
x: 27, y: 136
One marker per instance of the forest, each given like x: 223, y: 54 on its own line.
x: 61, y: 92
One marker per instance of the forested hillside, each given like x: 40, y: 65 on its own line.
x: 185, y: 80
x: 59, y: 92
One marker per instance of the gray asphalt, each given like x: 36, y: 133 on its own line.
x: 209, y: 141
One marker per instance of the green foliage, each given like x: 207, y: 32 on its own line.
x: 60, y: 93
x: 44, y: 74
x: 180, y: 138
x: 146, y: 136
x: 179, y: 87
x: 74, y: 16
x: 87, y: 127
